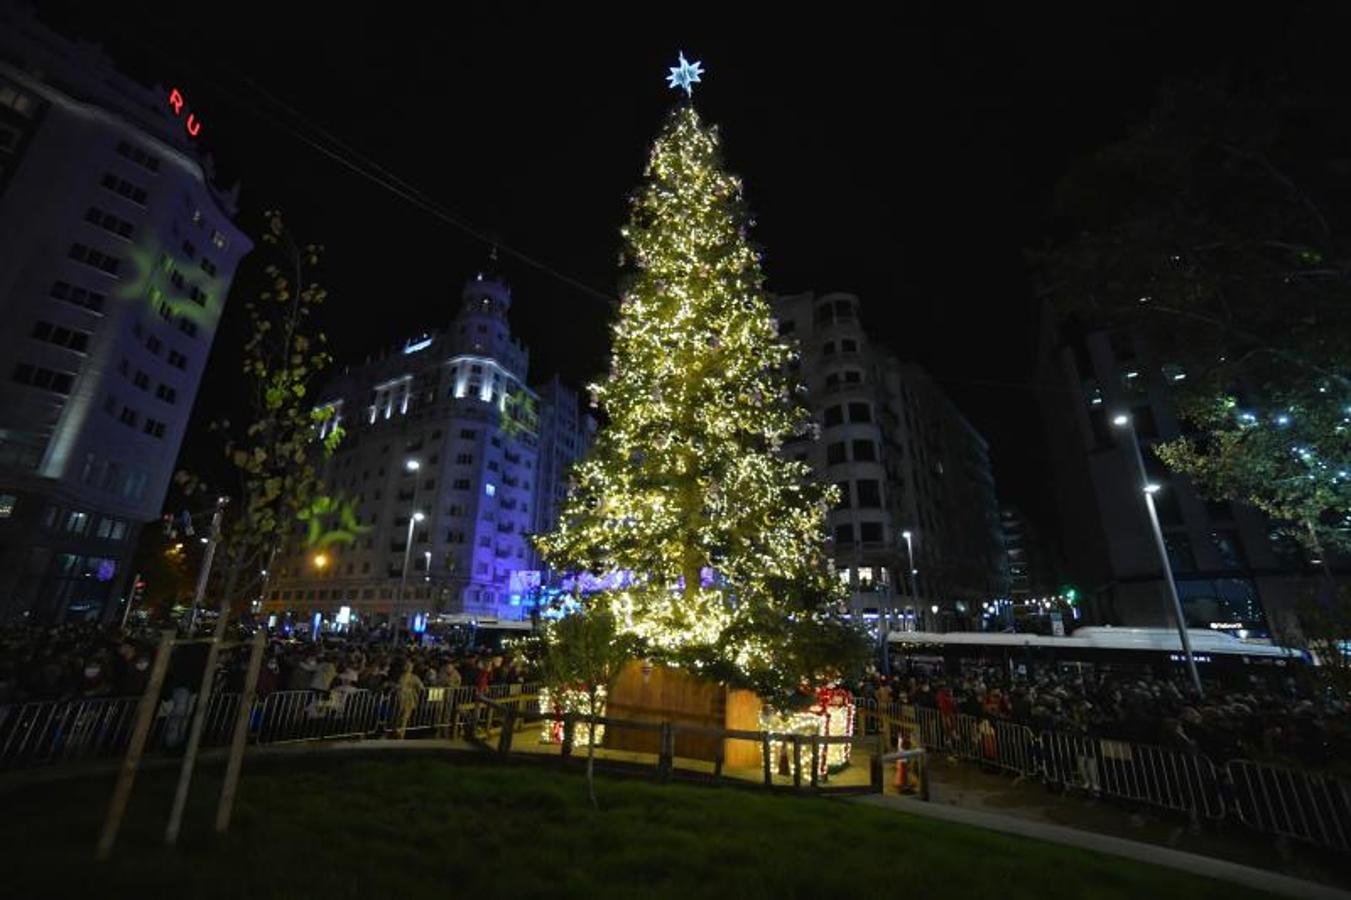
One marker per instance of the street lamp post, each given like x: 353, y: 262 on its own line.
x: 1148, y: 488
x: 914, y: 573
x: 403, y: 577
x: 412, y: 466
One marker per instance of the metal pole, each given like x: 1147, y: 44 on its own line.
x: 403, y: 576
x: 415, y: 468
x: 1162, y: 549
x: 241, y: 733
x: 914, y: 575
x: 131, y: 598
x: 204, y: 573
x: 145, y: 715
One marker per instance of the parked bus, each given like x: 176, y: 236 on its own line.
x: 1219, y: 655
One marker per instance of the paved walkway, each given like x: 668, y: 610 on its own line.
x: 1209, y: 867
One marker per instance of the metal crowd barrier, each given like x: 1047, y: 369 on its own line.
x: 1157, y: 776
x: 62, y: 731
x: 1299, y: 805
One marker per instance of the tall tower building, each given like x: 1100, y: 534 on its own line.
x: 1233, y: 569
x: 914, y: 477
x: 116, y: 255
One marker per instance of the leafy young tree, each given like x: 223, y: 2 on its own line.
x: 585, y: 651
x: 273, y: 455
x: 715, y: 542
x: 1205, y: 232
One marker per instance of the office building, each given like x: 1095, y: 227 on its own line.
x: 117, y: 250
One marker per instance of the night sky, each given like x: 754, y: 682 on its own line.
x: 903, y: 157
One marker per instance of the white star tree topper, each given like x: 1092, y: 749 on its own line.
x: 685, y: 76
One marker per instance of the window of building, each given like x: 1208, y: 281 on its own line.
x: 870, y: 532
x: 860, y: 412
x: 1229, y: 548
x: 76, y: 521
x: 848, y: 345
x: 460, y: 484
x: 188, y: 327
x: 464, y: 459
x: 828, y: 348
x: 832, y: 379
x: 844, y: 534
x: 82, y: 297
x: 154, y: 344
x: 1180, y: 555
x: 123, y: 188
x: 177, y: 360
x: 869, y: 493
x: 109, y: 222
x: 7, y: 504
x: 835, y: 453
x: 843, y: 488
x: 853, y: 376
x: 834, y: 415
x: 865, y: 451
x: 787, y: 326
x: 154, y: 428
x: 70, y: 338
x: 128, y: 417
x: 490, y: 489
x: 166, y: 393
x: 143, y: 159
x: 46, y: 379
x: 165, y: 311
x: 141, y: 380
x: 94, y: 258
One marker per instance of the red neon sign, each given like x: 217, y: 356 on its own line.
x: 177, y: 102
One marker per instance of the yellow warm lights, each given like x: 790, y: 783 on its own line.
x: 685, y: 488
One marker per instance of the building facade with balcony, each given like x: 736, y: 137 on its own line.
x: 441, y: 457
x: 916, y: 489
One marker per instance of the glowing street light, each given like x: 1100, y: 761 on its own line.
x: 320, y: 561
x: 1123, y: 421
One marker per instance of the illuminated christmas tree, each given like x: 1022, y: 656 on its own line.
x: 711, y: 541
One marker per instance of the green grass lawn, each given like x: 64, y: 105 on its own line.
x: 447, y: 827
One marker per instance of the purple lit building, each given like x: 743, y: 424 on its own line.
x: 445, y: 428
x: 116, y: 255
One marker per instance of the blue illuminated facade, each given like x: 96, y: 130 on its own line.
x: 443, y: 426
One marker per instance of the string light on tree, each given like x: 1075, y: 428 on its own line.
x: 723, y: 538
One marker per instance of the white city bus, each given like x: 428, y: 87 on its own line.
x: 1218, y: 654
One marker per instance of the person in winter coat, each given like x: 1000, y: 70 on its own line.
x: 410, y: 689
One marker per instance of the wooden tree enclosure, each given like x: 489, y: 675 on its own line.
x: 673, y: 695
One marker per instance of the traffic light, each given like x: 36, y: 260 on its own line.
x: 1071, y: 595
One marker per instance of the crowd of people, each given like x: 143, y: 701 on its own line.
x: 1281, y: 719
x: 1278, y: 720
x: 84, y: 661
